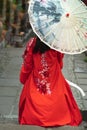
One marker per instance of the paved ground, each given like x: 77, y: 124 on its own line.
x: 17, y: 127
x: 75, y: 70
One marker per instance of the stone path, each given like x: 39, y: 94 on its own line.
x: 10, y: 87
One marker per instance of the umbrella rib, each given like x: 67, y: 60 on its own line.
x: 85, y: 27
x: 85, y: 22
x: 73, y: 36
x: 56, y: 32
x: 56, y: 35
x: 69, y: 38
x: 52, y: 28
x: 79, y: 41
x: 75, y: 39
x: 79, y: 12
x: 46, y: 19
x: 79, y: 28
x: 42, y: 26
x: 81, y: 17
x: 82, y: 21
x: 76, y: 8
x: 82, y: 31
x: 42, y: 21
x: 61, y: 37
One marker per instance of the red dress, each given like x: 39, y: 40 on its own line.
x: 46, y: 98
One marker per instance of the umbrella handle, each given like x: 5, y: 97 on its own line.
x: 76, y: 86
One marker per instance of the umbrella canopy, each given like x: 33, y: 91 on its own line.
x: 60, y: 24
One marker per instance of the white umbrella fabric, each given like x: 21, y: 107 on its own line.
x: 60, y: 24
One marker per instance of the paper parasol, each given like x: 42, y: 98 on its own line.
x: 60, y: 24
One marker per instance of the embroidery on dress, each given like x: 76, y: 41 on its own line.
x: 28, y: 47
x: 43, y: 84
x: 24, y: 56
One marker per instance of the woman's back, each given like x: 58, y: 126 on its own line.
x: 46, y: 98
x: 46, y: 69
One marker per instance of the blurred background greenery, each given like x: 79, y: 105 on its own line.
x: 14, y: 17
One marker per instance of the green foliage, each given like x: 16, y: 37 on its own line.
x: 7, y: 6
x: 1, y: 7
x: 7, y: 14
x: 15, y: 1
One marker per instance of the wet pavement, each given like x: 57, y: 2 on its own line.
x: 75, y: 70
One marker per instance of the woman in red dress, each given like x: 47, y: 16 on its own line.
x: 46, y: 99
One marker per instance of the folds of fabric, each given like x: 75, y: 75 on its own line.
x: 56, y: 108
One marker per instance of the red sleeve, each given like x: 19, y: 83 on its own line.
x: 60, y: 59
x: 27, y: 64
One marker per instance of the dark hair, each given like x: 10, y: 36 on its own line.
x: 40, y: 47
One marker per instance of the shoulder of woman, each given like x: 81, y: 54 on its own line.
x: 29, y: 45
x: 31, y: 42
